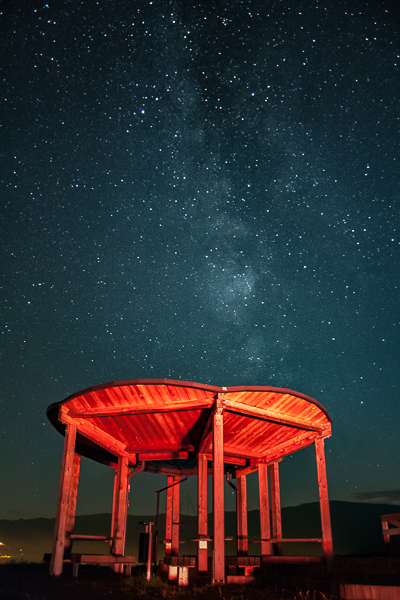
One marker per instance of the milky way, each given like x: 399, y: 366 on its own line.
x: 205, y: 194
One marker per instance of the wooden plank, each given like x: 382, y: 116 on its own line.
x: 391, y: 518
x: 175, y: 449
x: 168, y: 517
x: 98, y: 436
x: 276, y: 508
x: 128, y: 409
x: 202, y: 514
x: 120, y: 507
x: 163, y: 455
x: 241, y: 514
x: 101, y: 559
x: 391, y: 531
x: 327, y: 545
x: 356, y: 591
x: 272, y: 415
x: 290, y: 446
x: 253, y: 467
x: 218, y: 574
x: 175, y: 516
x: 295, y: 560
x: 72, y: 503
x: 265, y: 523
x: 206, y: 436
x: 67, y: 470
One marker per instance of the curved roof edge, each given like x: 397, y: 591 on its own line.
x: 189, y: 384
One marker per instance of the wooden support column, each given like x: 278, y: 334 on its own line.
x: 175, y: 516
x: 168, y: 517
x: 265, y: 522
x: 202, y: 525
x: 241, y: 515
x: 218, y: 492
x: 120, y: 507
x: 276, y: 508
x: 64, y: 494
x: 327, y: 545
x: 72, y: 503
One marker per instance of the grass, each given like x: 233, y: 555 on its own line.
x: 31, y: 581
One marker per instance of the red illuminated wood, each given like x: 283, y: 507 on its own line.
x: 163, y: 456
x: 276, y: 508
x: 168, y: 518
x: 202, y: 516
x: 290, y: 446
x: 324, y: 504
x: 218, y: 492
x: 120, y: 507
x: 241, y: 513
x: 175, y: 516
x: 265, y: 523
x: 390, y: 526
x: 67, y: 470
x: 205, y: 440
x: 128, y: 409
x: 253, y: 467
x: 271, y: 415
x: 72, y: 503
x: 153, y: 450
x: 98, y: 436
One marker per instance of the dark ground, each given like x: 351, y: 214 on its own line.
x: 31, y: 581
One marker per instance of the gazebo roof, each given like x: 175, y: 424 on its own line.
x: 167, y: 423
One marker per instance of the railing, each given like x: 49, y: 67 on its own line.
x: 390, y: 526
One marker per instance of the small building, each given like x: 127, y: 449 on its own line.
x: 180, y: 429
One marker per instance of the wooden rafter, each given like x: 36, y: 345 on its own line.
x: 97, y: 435
x: 128, y: 409
x: 272, y: 415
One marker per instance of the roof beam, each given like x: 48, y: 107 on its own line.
x: 128, y: 409
x: 271, y: 415
x: 251, y: 468
x: 97, y: 435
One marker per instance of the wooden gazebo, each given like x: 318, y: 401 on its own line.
x: 181, y: 428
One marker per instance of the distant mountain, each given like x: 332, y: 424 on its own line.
x: 356, y: 530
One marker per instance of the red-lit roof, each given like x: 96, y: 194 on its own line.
x: 166, y: 423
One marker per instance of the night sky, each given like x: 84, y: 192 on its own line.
x: 205, y: 194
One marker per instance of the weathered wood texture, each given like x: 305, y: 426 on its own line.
x: 202, y: 514
x: 390, y: 526
x: 324, y: 504
x: 64, y: 495
x: 276, y: 512
x: 120, y: 507
x: 241, y: 512
x: 265, y: 522
x: 218, y: 493
x: 157, y: 420
x: 175, y: 516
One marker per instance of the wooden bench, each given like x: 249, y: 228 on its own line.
x: 178, y: 568
x: 242, y: 561
x: 101, y: 559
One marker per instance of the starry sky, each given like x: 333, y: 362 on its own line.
x: 200, y: 193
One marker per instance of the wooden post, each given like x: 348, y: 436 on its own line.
x: 276, y: 508
x: 265, y: 522
x: 120, y: 507
x: 202, y: 525
x: 327, y: 545
x: 241, y: 514
x: 64, y: 493
x: 72, y: 503
x: 168, y: 518
x: 175, y: 516
x: 218, y: 492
